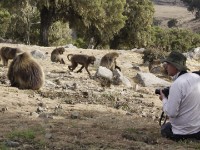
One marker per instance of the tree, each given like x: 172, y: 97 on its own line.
x: 136, y: 32
x: 5, y: 19
x: 23, y: 15
x: 49, y: 13
x: 60, y: 34
x: 100, y: 19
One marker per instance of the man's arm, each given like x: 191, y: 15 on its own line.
x: 171, y: 105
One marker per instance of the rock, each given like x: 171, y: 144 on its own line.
x: 104, y: 72
x: 57, y: 109
x: 70, y: 46
x: 43, y: 115
x: 74, y: 115
x: 12, y: 144
x: 50, y: 83
x: 193, y: 54
x: 140, y: 50
x: 40, y: 109
x: 34, y: 114
x: 150, y: 80
x: 48, y: 135
x: 126, y: 81
x: 71, y: 87
x: 119, y: 78
x: 38, y: 54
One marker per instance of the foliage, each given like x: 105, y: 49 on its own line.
x: 32, y: 136
x: 98, y: 19
x: 24, y: 19
x: 60, y: 34
x: 172, y: 23
x: 174, y: 39
x: 26, y: 135
x: 156, y: 22
x: 160, y: 38
x: 136, y: 32
x: 79, y: 42
x: 118, y: 24
x: 3, y: 147
x: 4, y: 21
x: 151, y: 54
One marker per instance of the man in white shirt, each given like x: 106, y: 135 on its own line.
x: 183, y: 103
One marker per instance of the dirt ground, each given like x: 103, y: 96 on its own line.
x: 61, y: 116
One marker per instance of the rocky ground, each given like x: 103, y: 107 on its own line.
x: 72, y: 111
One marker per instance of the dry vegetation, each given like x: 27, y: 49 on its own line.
x: 62, y: 116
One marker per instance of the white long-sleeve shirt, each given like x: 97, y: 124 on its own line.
x: 183, y: 104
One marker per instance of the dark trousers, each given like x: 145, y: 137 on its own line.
x: 166, y: 131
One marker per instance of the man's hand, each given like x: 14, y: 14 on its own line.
x: 162, y: 96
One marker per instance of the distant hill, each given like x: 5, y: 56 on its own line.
x: 168, y: 2
x: 165, y: 10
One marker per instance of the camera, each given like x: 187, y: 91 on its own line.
x: 165, y: 91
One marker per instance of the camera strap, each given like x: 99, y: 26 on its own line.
x: 161, y: 118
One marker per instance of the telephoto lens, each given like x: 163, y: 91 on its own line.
x: 157, y: 91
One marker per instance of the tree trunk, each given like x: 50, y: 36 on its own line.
x: 114, y: 43
x: 97, y: 43
x: 46, y: 16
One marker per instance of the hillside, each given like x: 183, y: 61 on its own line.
x: 89, y: 116
x: 166, y: 11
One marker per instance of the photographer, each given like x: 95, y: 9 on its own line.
x: 183, y: 103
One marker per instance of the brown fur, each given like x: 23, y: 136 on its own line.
x: 109, y: 61
x: 83, y: 60
x: 25, y: 73
x: 7, y: 53
x: 56, y: 55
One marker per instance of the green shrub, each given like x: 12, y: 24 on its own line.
x: 174, y: 39
x: 80, y: 43
x: 156, y: 22
x: 60, y: 34
x: 151, y: 54
x: 27, y: 134
x: 5, y: 19
x: 172, y: 23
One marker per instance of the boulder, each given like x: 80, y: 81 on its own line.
x: 150, y: 80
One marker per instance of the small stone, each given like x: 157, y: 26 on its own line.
x: 48, y: 135
x: 12, y: 144
x: 74, y: 115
